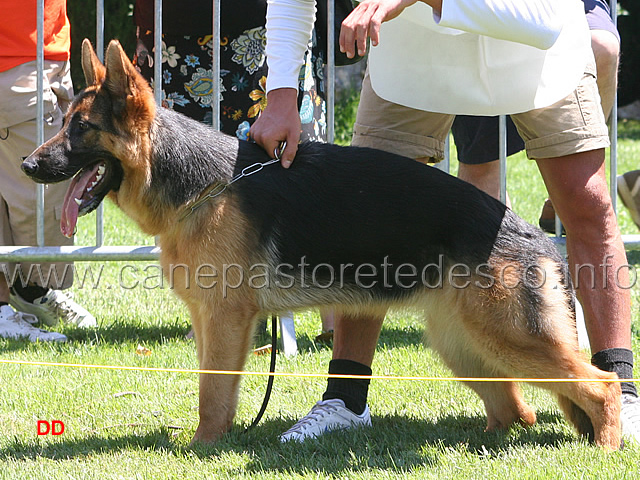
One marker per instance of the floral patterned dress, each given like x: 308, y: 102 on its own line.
x: 187, y: 57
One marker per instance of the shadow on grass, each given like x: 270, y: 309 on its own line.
x: 79, y: 448
x: 390, y: 336
x: 130, y: 331
x: 122, y: 331
x: 395, y: 443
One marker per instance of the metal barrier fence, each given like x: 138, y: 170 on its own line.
x: 100, y: 252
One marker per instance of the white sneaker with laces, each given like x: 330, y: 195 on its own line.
x: 54, y: 306
x: 325, y: 416
x: 19, y: 325
x: 630, y: 417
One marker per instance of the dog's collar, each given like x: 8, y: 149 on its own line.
x: 217, y: 188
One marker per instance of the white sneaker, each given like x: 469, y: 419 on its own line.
x: 19, y: 325
x: 54, y: 306
x: 630, y: 417
x: 325, y: 416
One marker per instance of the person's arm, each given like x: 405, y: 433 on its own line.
x: 279, y: 122
x: 289, y: 26
x: 533, y: 22
x: 365, y: 20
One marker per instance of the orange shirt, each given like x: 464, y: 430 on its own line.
x: 18, y: 32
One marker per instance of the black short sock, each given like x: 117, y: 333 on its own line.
x: 352, y: 391
x: 620, y: 361
x: 30, y: 292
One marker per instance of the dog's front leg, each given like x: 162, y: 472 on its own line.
x: 223, y: 337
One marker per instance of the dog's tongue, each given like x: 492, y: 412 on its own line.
x: 70, y: 207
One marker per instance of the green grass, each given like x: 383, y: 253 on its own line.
x: 137, y: 425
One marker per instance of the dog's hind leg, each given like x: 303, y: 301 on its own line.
x: 530, y: 333
x: 505, y: 405
x: 502, y: 400
x: 577, y: 417
x: 591, y: 403
x: 593, y: 407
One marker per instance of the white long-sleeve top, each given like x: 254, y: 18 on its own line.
x: 482, y: 57
x: 289, y: 25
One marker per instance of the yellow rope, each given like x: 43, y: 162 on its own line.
x: 311, y: 375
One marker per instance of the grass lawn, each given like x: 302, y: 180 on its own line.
x: 137, y: 425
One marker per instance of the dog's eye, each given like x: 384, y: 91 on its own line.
x: 83, y: 126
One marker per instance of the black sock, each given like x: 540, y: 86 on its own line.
x: 620, y: 361
x: 30, y: 292
x: 352, y: 391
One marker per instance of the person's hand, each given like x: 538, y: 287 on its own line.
x: 279, y: 122
x: 365, y: 20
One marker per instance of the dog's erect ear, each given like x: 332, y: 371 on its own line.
x: 94, y: 71
x: 123, y: 81
x: 117, y: 63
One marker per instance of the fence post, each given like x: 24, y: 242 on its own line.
x: 40, y: 116
x: 100, y: 52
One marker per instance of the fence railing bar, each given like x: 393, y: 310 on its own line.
x: 330, y: 84
x: 100, y: 29
x: 445, y: 163
x: 100, y: 52
x: 502, y: 156
x: 613, y: 131
x: 631, y: 242
x: 73, y: 253
x: 215, y: 67
x: 40, y: 115
x: 157, y: 51
x: 613, y: 157
x: 152, y: 253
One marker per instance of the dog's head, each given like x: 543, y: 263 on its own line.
x: 103, y: 138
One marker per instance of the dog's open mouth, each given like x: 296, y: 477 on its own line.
x: 87, y: 189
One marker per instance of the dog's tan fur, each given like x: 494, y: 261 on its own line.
x: 480, y: 332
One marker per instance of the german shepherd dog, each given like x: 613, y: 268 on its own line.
x: 353, y: 229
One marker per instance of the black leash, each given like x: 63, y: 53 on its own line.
x: 272, y: 369
x: 250, y: 170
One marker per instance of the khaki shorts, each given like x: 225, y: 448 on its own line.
x: 17, y: 191
x: 574, y: 124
